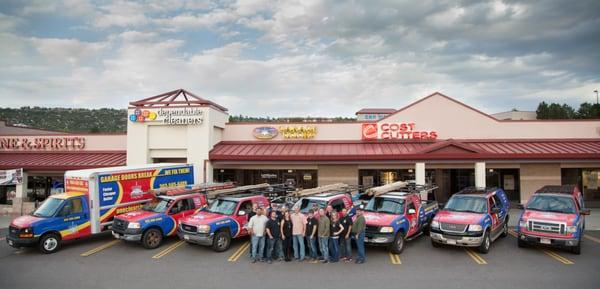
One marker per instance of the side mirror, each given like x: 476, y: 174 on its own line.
x: 241, y: 213
x: 495, y: 210
x: 412, y: 211
x: 174, y: 211
x: 584, y: 211
x: 521, y: 206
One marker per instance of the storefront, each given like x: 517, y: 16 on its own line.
x: 435, y: 140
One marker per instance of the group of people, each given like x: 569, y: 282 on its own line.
x: 281, y: 235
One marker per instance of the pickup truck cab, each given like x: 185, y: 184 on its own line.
x: 224, y: 219
x: 338, y: 200
x: 553, y: 216
x: 473, y: 217
x: 157, y: 219
x: 395, y: 217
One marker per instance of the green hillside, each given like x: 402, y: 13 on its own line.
x: 67, y: 119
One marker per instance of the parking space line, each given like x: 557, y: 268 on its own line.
x: 594, y: 239
x: 478, y: 259
x: 100, y: 248
x: 395, y: 258
x: 239, y: 252
x: 557, y: 257
x: 512, y: 233
x: 168, y: 250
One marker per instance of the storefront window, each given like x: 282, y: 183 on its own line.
x: 5, y: 191
x: 298, y: 178
x: 40, y: 187
x: 587, y: 179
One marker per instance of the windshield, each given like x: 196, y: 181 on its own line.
x: 385, y: 205
x: 307, y: 204
x: 48, y: 208
x: 555, y: 204
x: 467, y: 204
x: 157, y: 206
x: 224, y: 207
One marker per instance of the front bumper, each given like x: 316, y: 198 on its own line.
x: 548, y: 241
x: 468, y: 239
x: 379, y: 238
x: 132, y: 235
x: 17, y: 242
x: 195, y: 238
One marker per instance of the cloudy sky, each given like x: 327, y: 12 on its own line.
x: 282, y: 58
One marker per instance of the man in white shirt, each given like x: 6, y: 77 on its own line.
x: 256, y: 228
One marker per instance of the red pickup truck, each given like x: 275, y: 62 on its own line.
x: 553, y: 216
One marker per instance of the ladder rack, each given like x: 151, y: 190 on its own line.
x: 204, y: 187
x: 321, y: 189
x: 376, y: 191
x: 236, y: 190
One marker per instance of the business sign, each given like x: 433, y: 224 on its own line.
x: 395, y: 131
x: 265, y: 132
x: 11, y: 177
x: 42, y: 143
x: 170, y: 116
x: 286, y: 131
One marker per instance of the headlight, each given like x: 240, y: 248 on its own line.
x: 523, y: 223
x: 27, y: 230
x: 571, y: 229
x: 475, y: 228
x: 435, y: 224
x: 204, y: 229
x: 133, y: 225
x: 386, y: 230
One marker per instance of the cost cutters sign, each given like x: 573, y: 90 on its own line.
x: 395, y: 131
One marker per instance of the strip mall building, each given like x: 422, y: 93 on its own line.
x: 436, y: 140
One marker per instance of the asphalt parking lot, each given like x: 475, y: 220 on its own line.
x: 102, y: 262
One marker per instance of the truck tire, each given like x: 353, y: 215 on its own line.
x: 484, y: 248
x: 152, y: 238
x: 435, y: 244
x: 398, y: 244
x: 222, y: 241
x: 521, y: 243
x: 577, y: 249
x: 49, y: 243
x: 504, y: 230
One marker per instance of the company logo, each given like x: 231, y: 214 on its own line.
x: 142, y: 115
x: 265, y: 132
x: 369, y: 131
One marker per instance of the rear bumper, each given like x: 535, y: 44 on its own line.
x: 195, y: 238
x: 554, y: 242
x: 17, y: 242
x: 379, y: 239
x: 468, y: 239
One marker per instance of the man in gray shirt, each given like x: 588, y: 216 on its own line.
x: 256, y: 228
x: 324, y: 232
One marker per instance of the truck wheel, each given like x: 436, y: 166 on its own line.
x: 49, y: 243
x: 398, y: 244
x: 222, y: 241
x: 152, y: 238
x: 435, y: 244
x: 485, y: 245
x: 504, y: 230
x: 576, y: 249
x: 521, y: 243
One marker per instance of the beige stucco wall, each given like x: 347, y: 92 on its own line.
x: 534, y: 176
x: 330, y: 174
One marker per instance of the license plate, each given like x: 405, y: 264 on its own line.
x: 10, y: 242
x: 186, y: 237
x: 545, y: 241
x: 451, y: 242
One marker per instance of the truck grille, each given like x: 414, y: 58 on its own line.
x: 119, y: 224
x: 371, y: 229
x: 13, y: 231
x: 188, y: 228
x: 454, y: 228
x: 546, y: 227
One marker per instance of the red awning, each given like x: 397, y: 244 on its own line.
x: 437, y: 150
x: 61, y: 161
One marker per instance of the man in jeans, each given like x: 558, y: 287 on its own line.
x: 358, y: 233
x: 323, y: 232
x: 273, y: 237
x: 256, y: 228
x: 345, y: 239
x: 298, y: 227
x: 311, y: 234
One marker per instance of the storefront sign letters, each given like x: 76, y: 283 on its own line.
x: 395, y: 131
x: 42, y: 143
x: 169, y: 116
x: 286, y: 131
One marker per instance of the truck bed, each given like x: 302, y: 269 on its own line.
x: 430, y: 206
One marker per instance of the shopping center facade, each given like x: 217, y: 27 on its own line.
x: 436, y: 140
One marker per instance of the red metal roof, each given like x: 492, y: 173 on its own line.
x: 438, y: 150
x: 61, y: 161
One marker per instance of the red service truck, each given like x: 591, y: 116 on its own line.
x: 92, y: 198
